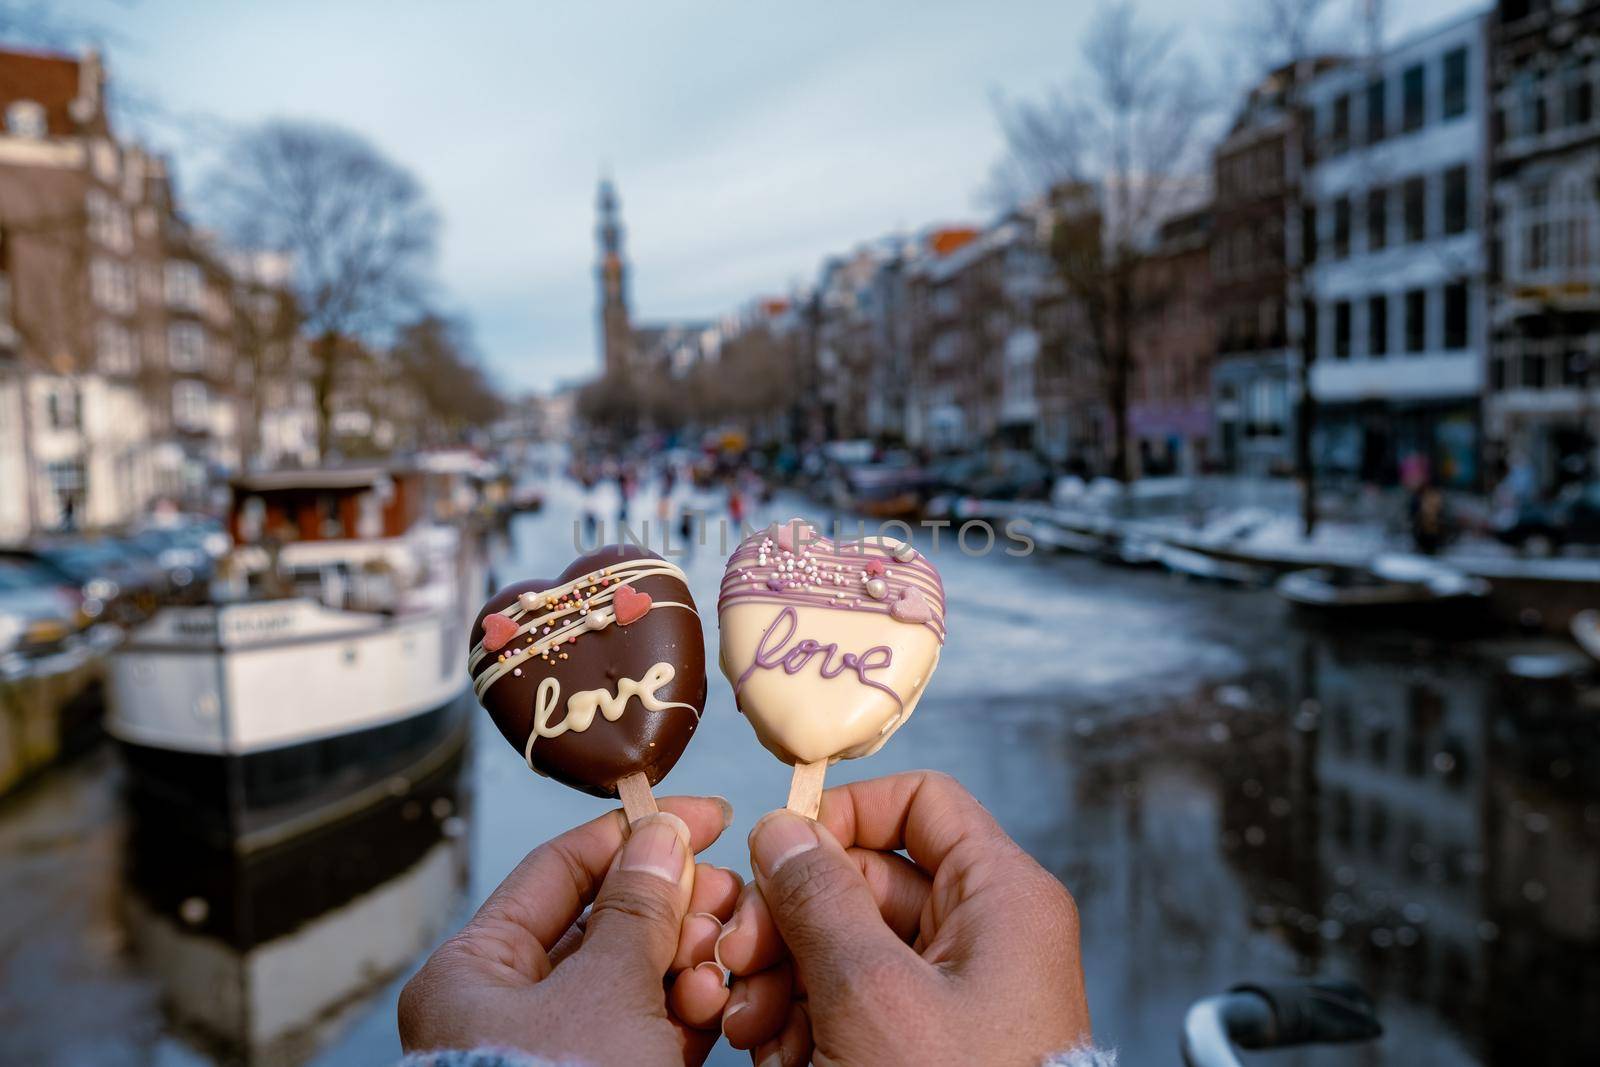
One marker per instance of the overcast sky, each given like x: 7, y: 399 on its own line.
x: 748, y: 140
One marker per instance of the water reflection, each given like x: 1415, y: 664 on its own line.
x: 1421, y: 821
x: 263, y: 957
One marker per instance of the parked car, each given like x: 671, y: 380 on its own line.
x: 998, y: 474
x: 39, y: 608
x: 1542, y: 527
x: 180, y: 554
x: 888, y: 487
x: 117, y: 584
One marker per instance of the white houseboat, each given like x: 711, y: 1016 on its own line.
x: 324, y: 673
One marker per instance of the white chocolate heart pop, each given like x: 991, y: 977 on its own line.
x: 829, y: 647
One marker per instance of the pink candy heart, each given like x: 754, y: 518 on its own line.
x: 912, y: 606
x: 497, y: 630
x: 794, y: 535
x: 631, y: 605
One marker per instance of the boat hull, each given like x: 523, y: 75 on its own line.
x: 244, y: 724
x: 250, y: 801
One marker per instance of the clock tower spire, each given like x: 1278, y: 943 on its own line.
x: 616, y: 331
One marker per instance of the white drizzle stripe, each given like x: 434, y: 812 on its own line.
x: 636, y: 570
x: 501, y: 668
x: 599, y: 597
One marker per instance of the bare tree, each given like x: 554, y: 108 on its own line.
x: 435, y: 356
x: 1113, y: 158
x: 358, y: 228
x: 1284, y: 36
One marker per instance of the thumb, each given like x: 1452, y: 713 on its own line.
x: 634, y: 921
x: 820, y: 903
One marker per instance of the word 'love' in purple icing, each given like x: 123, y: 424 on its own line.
x: 774, y: 650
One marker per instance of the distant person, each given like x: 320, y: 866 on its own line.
x: 1415, y: 471
x: 625, y: 486
x: 591, y: 520
x: 1429, y: 520
x: 736, y: 508
x: 669, y: 482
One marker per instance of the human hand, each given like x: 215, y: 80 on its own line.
x: 848, y: 952
x: 532, y: 971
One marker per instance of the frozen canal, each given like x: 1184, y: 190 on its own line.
x: 1229, y: 794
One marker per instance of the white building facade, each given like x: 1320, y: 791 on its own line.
x: 1397, y: 314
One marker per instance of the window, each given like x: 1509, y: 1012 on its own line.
x: 1377, y: 106
x: 1532, y: 370
x: 1341, y: 227
x: 1455, y: 315
x: 106, y: 161
x: 1455, y: 200
x: 1578, y: 103
x: 1377, y: 219
x: 1416, y: 208
x: 1413, y: 98
x: 26, y: 118
x: 1377, y: 326
x: 114, y: 347
x: 1311, y: 331
x: 1575, y: 369
x: 61, y: 408
x: 1455, y: 82
x: 1535, y: 229
x: 1308, y: 233
x: 1532, y: 113
x: 1339, y: 132
x: 1416, y: 320
x: 111, y: 286
x: 184, y: 286
x: 186, y: 346
x: 1341, y: 329
x: 66, y: 476
x: 1576, y: 216
x: 1497, y: 374
x: 109, y: 224
x: 190, y: 403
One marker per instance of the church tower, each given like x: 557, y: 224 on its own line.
x: 616, y: 333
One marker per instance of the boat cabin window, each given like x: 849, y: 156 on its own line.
x: 331, y: 525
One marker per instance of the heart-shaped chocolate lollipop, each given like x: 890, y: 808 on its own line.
x: 597, y: 675
x: 829, y: 647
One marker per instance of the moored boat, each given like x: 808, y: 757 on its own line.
x: 324, y: 673
x: 1393, y: 589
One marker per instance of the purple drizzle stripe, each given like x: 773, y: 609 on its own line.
x: 806, y: 578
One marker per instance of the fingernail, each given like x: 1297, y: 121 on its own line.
x: 727, y: 810
x: 658, y: 845
x: 739, y: 908
x: 773, y: 1058
x: 716, y: 969
x: 738, y: 879
x: 738, y: 1001
x: 779, y: 837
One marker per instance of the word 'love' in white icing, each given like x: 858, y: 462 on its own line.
x: 582, y: 706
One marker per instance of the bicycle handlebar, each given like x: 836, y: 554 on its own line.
x: 1260, y: 1016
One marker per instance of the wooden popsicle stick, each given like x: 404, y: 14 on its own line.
x: 805, y: 789
x: 637, y: 800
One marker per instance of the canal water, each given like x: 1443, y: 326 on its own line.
x: 1230, y: 793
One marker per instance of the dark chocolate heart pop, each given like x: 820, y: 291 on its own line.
x: 597, y: 676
